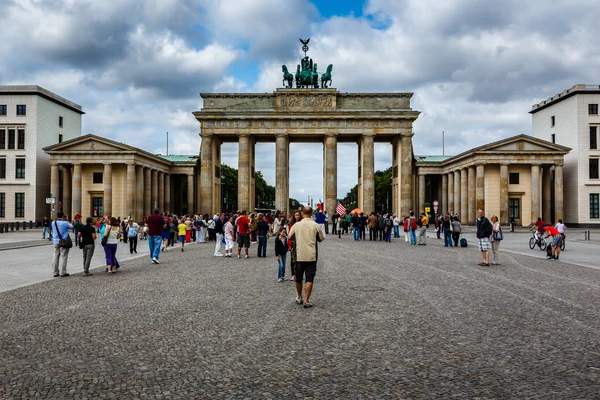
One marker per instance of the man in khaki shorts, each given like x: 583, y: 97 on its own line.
x: 306, y: 233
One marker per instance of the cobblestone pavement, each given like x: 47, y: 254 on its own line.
x: 389, y: 321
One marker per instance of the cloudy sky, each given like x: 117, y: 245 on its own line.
x: 137, y: 67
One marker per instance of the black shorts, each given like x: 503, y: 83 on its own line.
x: 243, y: 241
x: 308, y: 268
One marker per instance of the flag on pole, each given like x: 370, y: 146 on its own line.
x: 340, y: 209
x: 320, y: 205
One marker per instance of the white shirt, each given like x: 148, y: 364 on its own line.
x: 560, y: 227
x: 396, y: 221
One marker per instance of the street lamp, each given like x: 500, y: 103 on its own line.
x: 223, y: 198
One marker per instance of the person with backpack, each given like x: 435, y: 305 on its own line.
x: 132, y: 235
x: 422, y: 223
x: 456, y: 228
x: 412, y: 229
x: 445, y: 225
x: 389, y: 226
x: 484, y: 231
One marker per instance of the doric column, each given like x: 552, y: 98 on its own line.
x: 535, y: 192
x: 54, y: 185
x: 547, y: 193
x: 450, y: 193
x: 444, y: 206
x: 471, y: 211
x: 167, y: 191
x: 457, y: 192
x: 558, y: 193
x: 368, y: 173
x: 464, y: 195
x: 504, y: 194
x: 282, y: 173
x: 130, y: 190
x: 421, y: 194
x: 77, y: 190
x: 161, y: 191
x: 190, y: 193
x: 154, y: 178
x: 66, y: 197
x: 244, y: 173
x: 206, y: 175
x: 107, y: 179
x: 147, y: 192
x: 139, y: 194
x: 480, y: 187
x: 406, y: 174
x: 330, y: 173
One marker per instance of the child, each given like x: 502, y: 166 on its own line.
x: 281, y: 249
x: 181, y: 228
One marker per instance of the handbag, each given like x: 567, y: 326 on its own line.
x: 105, y: 239
x: 65, y: 243
x: 498, y: 235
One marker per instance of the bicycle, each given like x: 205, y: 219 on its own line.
x: 536, y: 240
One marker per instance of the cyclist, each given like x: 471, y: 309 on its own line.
x: 539, y: 229
x: 556, y: 241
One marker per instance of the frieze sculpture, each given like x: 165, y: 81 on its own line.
x: 307, y: 75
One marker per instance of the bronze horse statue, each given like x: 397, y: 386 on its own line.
x: 287, y: 77
x: 326, y: 77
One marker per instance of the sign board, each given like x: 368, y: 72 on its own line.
x: 435, y: 209
x: 50, y: 200
x: 435, y: 203
x: 427, y: 209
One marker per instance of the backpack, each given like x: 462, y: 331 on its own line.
x: 389, y: 223
x: 463, y: 242
x: 413, y: 224
x: 419, y: 222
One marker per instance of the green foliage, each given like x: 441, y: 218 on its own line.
x: 264, y: 194
x: 294, y: 204
x: 383, y: 193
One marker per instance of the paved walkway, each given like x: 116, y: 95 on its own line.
x: 389, y: 321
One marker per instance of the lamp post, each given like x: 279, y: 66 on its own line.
x: 223, y: 198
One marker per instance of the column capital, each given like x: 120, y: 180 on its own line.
x: 74, y: 163
x: 368, y: 134
x: 504, y: 164
x: 536, y: 163
x: 330, y: 134
x: 559, y: 164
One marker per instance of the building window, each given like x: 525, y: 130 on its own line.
x: 553, y: 136
x: 514, y: 208
x: 19, y: 205
x: 593, y: 109
x: 2, y: 109
x: 2, y: 168
x: 20, y: 168
x: 594, y: 206
x: 60, y: 121
x: 97, y: 209
x: 594, y: 168
x: 60, y: 138
x: 21, y: 109
x: 552, y: 120
x: 593, y: 137
x: 21, y: 139
x: 513, y: 178
x: 2, y: 139
x: 2, y: 205
x: 11, y: 139
x: 97, y: 177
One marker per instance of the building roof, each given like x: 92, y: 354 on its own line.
x: 565, y: 94
x: 179, y: 158
x: 431, y: 158
x: 40, y: 91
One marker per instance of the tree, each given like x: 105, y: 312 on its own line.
x: 264, y: 195
x: 229, y: 186
x: 383, y: 193
x: 294, y: 204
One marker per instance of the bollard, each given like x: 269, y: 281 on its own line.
x: 589, y: 235
x: 24, y: 225
x: 17, y: 224
x: 30, y: 224
x: 1, y: 228
x: 12, y: 226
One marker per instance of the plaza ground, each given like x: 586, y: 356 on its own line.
x: 389, y: 321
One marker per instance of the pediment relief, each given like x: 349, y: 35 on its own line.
x: 521, y: 145
x: 91, y: 144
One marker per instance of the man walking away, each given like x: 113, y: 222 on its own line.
x: 155, y: 224
x: 334, y: 220
x: 372, y: 223
x: 362, y: 224
x: 219, y: 224
x: 60, y: 231
x: 77, y: 226
x: 306, y: 233
x: 87, y: 236
x: 412, y: 229
x: 243, y: 229
x: 423, y: 229
x: 380, y: 227
x: 320, y: 219
x: 484, y: 230
x: 132, y: 235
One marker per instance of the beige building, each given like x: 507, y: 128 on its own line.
x: 97, y: 176
x: 521, y: 176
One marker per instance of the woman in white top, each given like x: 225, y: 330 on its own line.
x: 228, y: 229
x: 276, y: 223
x: 495, y: 239
x: 112, y: 233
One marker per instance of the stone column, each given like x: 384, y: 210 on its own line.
x: 154, y: 177
x: 131, y: 190
x: 558, y: 193
x: 54, y: 185
x: 206, y: 176
x: 471, y: 207
x: 547, y: 193
x: 147, y: 192
x: 444, y: 206
x: 190, y: 194
x: 406, y: 174
x: 535, y: 192
x: 450, y: 193
x: 66, y: 197
x: 244, y: 173
x: 330, y: 173
x: 504, y: 217
x: 107, y: 200
x: 480, y: 187
x: 368, y: 174
x: 77, y: 189
x: 464, y: 195
x: 161, y: 191
x: 282, y: 173
x: 139, y: 194
x: 457, y: 192
x: 421, y: 194
x: 167, y: 191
